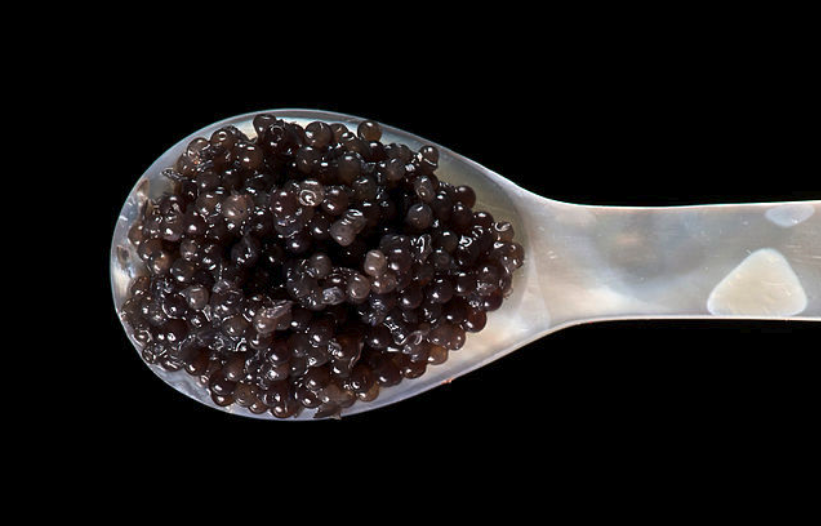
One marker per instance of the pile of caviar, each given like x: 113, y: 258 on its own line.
x: 310, y: 267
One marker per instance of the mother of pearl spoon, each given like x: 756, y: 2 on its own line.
x: 582, y: 263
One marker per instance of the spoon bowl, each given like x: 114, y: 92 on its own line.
x: 582, y: 263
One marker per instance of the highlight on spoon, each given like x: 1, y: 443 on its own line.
x: 299, y: 267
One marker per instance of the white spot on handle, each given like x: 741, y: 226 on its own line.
x: 791, y: 214
x: 764, y: 284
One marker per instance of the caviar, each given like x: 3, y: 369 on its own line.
x: 311, y: 267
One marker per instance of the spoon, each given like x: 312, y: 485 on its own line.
x: 582, y: 263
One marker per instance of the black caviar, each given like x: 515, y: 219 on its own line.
x: 309, y: 267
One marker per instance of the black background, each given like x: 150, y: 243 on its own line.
x: 655, y: 138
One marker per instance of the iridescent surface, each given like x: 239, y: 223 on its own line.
x: 584, y: 263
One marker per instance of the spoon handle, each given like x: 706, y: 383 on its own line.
x: 753, y: 261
